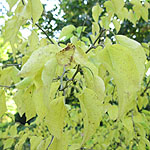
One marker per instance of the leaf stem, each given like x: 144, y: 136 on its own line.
x: 9, y: 65
x: 93, y: 45
x: 50, y: 142
x: 147, y: 87
x: 44, y: 33
x: 23, y: 2
x: 5, y: 86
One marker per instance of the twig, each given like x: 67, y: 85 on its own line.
x: 93, y: 45
x: 83, y: 148
x: 133, y: 123
x: 50, y: 142
x: 78, y: 70
x: 73, y: 77
x: 147, y: 87
x: 84, y: 24
x: 9, y: 65
x: 5, y: 86
x: 23, y: 2
x: 61, y: 79
x: 45, y: 33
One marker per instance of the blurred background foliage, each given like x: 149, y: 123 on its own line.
x: 78, y: 13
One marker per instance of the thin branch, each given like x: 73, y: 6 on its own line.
x: 147, y: 87
x: 50, y: 142
x: 93, y: 45
x: 133, y: 123
x: 61, y: 79
x: 23, y: 2
x: 78, y: 70
x: 9, y: 65
x: 45, y: 33
x: 5, y: 86
x: 72, y: 79
x: 84, y: 23
x: 83, y: 148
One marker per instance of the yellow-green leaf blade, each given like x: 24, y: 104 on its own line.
x: 55, y: 117
x: 3, y: 107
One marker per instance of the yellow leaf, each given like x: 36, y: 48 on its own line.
x: 113, y: 112
x: 95, y: 28
x: 37, y: 60
x: 95, y: 83
x: 48, y: 74
x: 9, y: 75
x: 33, y: 42
x: 65, y: 56
x: 22, y: 139
x: 67, y: 30
x: 91, y: 110
x: 24, y: 83
x: 126, y: 65
x: 24, y: 102
x: 8, y: 143
x: 55, y: 117
x: 3, y: 107
x: 96, y: 11
x: 11, y: 3
x: 35, y: 140
x: 59, y: 144
x: 117, y: 25
x: 36, y: 9
x: 39, y: 103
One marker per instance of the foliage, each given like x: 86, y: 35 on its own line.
x: 91, y: 93
x: 78, y: 13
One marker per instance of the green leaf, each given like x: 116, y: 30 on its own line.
x: 39, y: 103
x: 144, y: 13
x: 91, y: 110
x: 11, y: 3
x: 24, y: 102
x: 8, y: 143
x: 113, y: 112
x: 9, y: 75
x: 36, y: 9
x: 60, y: 144
x: 132, y: 17
x: 55, y: 117
x: 128, y: 124
x: 22, y: 140
x: 23, y: 12
x: 96, y: 11
x: 114, y: 6
x: 37, y: 60
x: 105, y: 22
x: 94, y: 83
x: 95, y: 28
x: 117, y: 25
x: 35, y: 140
x: 66, y: 31
x: 3, y: 107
